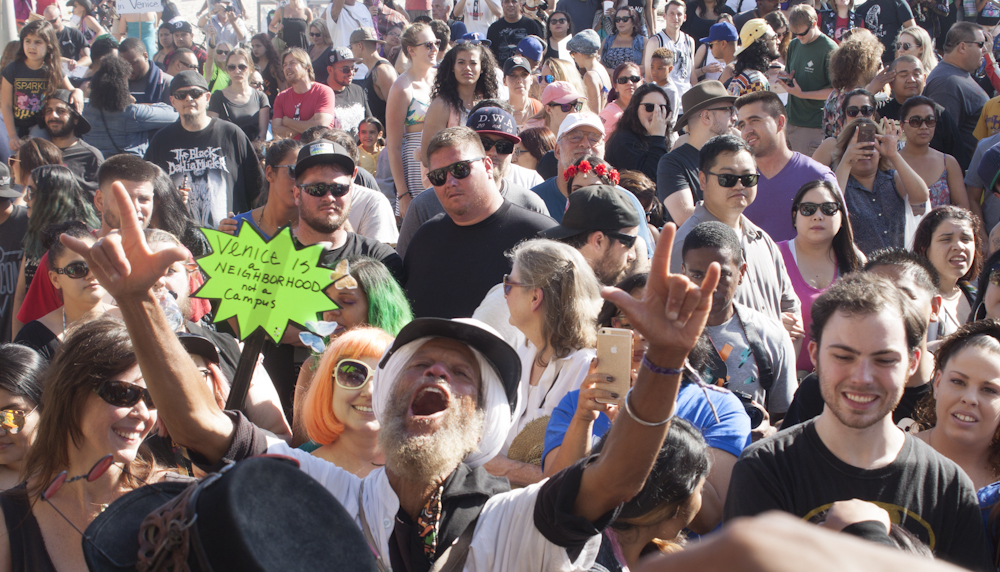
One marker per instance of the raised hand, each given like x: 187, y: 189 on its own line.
x: 122, y: 261
x: 674, y: 310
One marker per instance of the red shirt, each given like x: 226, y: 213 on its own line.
x: 302, y: 106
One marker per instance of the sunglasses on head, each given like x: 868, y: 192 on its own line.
x: 864, y: 111
x: 503, y: 146
x: 809, y: 209
x: 234, y: 67
x: 74, y: 270
x: 627, y: 240
x: 626, y: 79
x: 12, y: 420
x: 575, y: 106
x: 649, y: 107
x: 917, y: 121
x: 622, y: 19
x: 320, y: 190
x: 546, y: 78
x: 352, y: 373
x: 124, y: 394
x: 192, y: 93
x: 459, y: 170
x: 729, y: 180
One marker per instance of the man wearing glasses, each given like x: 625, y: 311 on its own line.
x: 952, y: 85
x: 580, y: 134
x: 806, y: 79
x: 351, y: 103
x: 507, y: 32
x: 213, y: 158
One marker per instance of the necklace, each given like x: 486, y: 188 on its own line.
x: 64, y: 317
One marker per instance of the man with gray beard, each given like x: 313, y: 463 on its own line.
x: 433, y: 504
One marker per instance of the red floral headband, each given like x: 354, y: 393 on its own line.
x: 601, y: 170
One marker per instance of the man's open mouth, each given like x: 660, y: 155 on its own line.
x: 429, y: 400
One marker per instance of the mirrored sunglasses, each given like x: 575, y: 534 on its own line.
x: 809, y: 209
x: 74, y: 270
x: 352, y: 373
x: 321, y: 189
x: 459, y: 170
x: 124, y: 394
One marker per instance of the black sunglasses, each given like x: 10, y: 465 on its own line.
x: 124, y: 394
x: 632, y: 78
x: 503, y: 146
x: 221, y: 52
x: 622, y: 19
x: 864, y: 111
x: 809, y: 209
x: 729, y: 180
x: 576, y: 106
x: 74, y: 270
x: 459, y: 170
x: 234, y: 67
x: 916, y: 121
x: 649, y: 107
x: 800, y: 34
x: 320, y: 190
x: 557, y: 20
x: 905, y: 46
x: 315, y: 35
x: 627, y: 240
x: 192, y: 93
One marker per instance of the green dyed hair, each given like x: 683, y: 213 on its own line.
x: 388, y: 307
x: 57, y: 198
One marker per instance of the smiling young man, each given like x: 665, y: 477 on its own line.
x: 867, y: 344
x: 65, y: 126
x: 306, y: 103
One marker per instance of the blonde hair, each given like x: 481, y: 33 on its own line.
x: 324, y: 32
x: 927, y: 59
x: 302, y: 57
x: 561, y: 70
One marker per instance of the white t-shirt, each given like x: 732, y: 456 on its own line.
x: 351, y: 18
x: 372, y: 216
x: 478, y: 16
x: 527, y: 178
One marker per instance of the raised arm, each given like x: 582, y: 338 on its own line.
x: 671, y: 317
x: 128, y: 269
x: 909, y: 184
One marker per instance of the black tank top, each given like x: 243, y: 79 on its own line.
x: 376, y: 104
x: 27, y: 547
x: 293, y: 32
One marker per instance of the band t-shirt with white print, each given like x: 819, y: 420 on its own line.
x: 221, y: 167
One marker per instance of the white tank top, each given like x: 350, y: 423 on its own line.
x: 710, y: 59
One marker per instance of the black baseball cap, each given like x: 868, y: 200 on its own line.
x: 598, y: 207
x: 181, y: 26
x: 188, y: 78
x: 516, y: 62
x: 323, y: 152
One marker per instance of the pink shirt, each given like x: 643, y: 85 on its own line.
x: 610, y: 116
x: 302, y: 106
x: 807, y: 295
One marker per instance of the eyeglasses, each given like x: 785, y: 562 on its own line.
x: 74, y: 270
x: 503, y: 146
x: 546, y: 78
x: 508, y: 284
x: 864, y: 111
x: 632, y: 78
x: 576, y: 106
x: 730, y: 109
x: 256, y: 84
x: 729, y: 180
x: 436, y: 44
x: 622, y: 19
x: 627, y: 240
x: 557, y: 20
x: 192, y: 93
x: 905, y: 46
x: 591, y: 137
x: 809, y: 209
x: 234, y: 67
x: 459, y: 170
x: 649, y: 107
x: 12, y: 420
x: 978, y: 44
x: 221, y: 52
x: 124, y: 394
x: 352, y: 373
x: 320, y: 190
x: 917, y: 121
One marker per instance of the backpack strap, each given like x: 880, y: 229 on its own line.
x: 453, y: 558
x: 764, y: 366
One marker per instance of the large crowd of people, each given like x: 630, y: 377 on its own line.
x: 788, y: 213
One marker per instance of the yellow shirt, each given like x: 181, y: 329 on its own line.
x: 989, y: 121
x: 368, y: 160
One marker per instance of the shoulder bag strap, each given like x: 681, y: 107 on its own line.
x: 104, y: 123
x: 760, y: 355
x: 453, y: 558
x: 367, y: 530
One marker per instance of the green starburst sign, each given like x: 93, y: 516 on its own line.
x: 264, y: 283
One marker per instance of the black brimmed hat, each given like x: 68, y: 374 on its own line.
x: 598, y: 207
x: 323, y: 152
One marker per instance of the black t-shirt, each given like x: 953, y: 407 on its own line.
x: 505, y: 36
x: 319, y: 66
x: 678, y: 171
x: 450, y: 267
x: 884, y: 18
x: 358, y: 245
x: 698, y: 27
x: 71, y: 42
x: 12, y: 233
x: 808, y: 402
x: 741, y: 19
x: 923, y: 491
x: 29, y: 92
x: 221, y: 166
x: 548, y: 165
x: 352, y: 107
x: 37, y: 336
x: 245, y: 116
x: 84, y: 160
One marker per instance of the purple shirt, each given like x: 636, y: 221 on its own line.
x: 772, y: 209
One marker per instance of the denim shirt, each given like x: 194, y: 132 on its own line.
x: 127, y: 131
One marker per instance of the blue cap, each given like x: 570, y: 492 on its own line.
x: 531, y: 47
x: 723, y: 31
x: 989, y: 167
x: 474, y: 38
x: 458, y: 29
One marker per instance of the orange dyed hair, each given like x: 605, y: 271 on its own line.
x: 321, y: 424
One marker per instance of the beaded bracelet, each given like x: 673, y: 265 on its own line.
x: 657, y: 369
x: 628, y: 410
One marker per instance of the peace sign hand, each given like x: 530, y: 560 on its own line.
x: 122, y: 261
x: 673, y: 312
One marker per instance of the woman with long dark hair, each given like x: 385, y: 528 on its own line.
x: 627, y: 43
x: 21, y: 375
x: 267, y: 62
x: 88, y: 25
x: 165, y: 43
x: 822, y: 250
x: 37, y: 70
x: 918, y: 117
x: 987, y: 303
x: 639, y: 139
x: 118, y: 125
x: 466, y: 75
x: 558, y: 31
x: 279, y: 208
x: 535, y: 143
x: 626, y: 78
